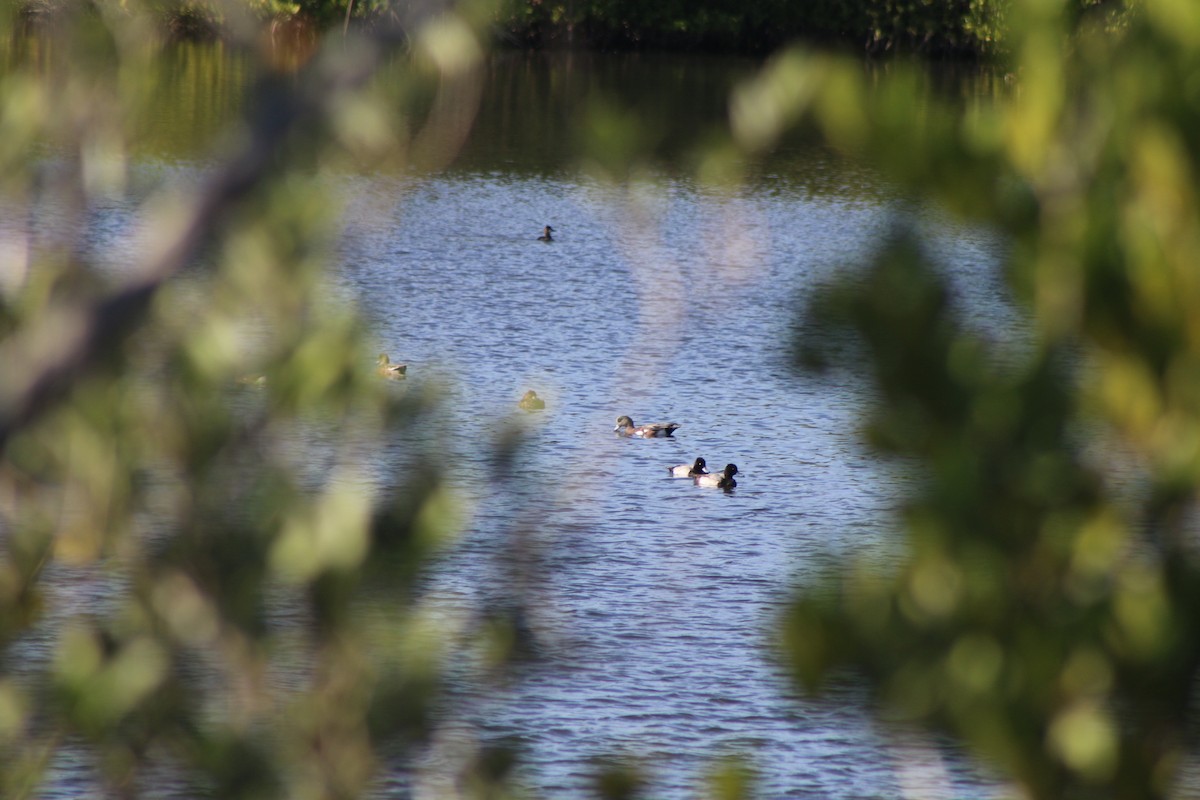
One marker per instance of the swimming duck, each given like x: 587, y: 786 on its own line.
x: 546, y: 237
x: 385, y: 367
x: 688, y: 470
x: 531, y: 402
x: 625, y: 427
x: 722, y: 480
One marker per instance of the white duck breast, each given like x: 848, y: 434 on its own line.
x: 721, y: 480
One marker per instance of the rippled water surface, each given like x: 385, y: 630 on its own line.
x: 658, y: 599
x: 652, y: 602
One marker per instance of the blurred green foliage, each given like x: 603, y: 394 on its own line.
x: 179, y: 433
x: 1047, y: 608
x: 185, y: 410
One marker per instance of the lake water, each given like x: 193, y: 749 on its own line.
x: 666, y: 301
x: 653, y: 602
x: 673, y: 303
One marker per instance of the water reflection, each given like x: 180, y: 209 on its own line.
x: 529, y: 113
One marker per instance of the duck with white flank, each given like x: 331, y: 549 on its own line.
x: 718, y: 480
x: 688, y: 470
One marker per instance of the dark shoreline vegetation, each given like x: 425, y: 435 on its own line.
x: 956, y: 29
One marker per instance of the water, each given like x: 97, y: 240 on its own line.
x: 653, y: 603
x: 657, y: 600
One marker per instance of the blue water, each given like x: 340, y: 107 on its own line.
x: 653, y: 602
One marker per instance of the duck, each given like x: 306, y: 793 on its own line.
x: 688, y: 470
x: 546, y: 237
x: 625, y: 427
x: 385, y: 367
x: 718, y: 480
x: 531, y: 402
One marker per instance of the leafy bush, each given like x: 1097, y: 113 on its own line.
x: 1046, y: 611
x: 247, y: 614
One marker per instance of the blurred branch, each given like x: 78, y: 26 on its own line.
x: 75, y: 336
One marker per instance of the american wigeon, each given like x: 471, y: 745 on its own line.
x: 625, y: 427
x: 385, y: 367
x: 688, y: 470
x: 531, y: 402
x: 546, y: 237
x: 718, y: 480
